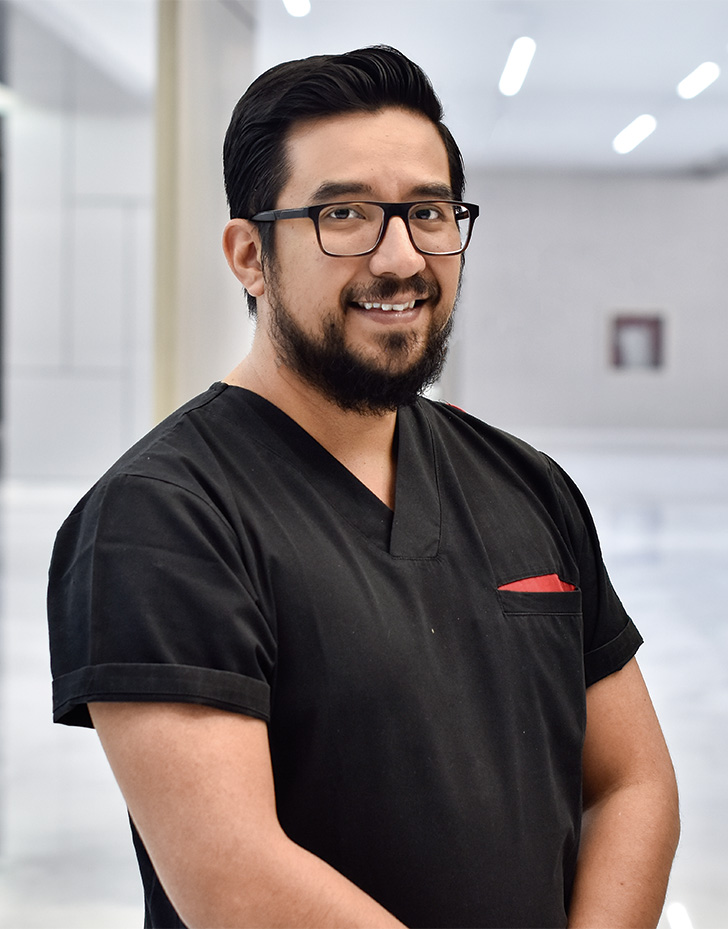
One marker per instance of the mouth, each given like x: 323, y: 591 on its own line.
x: 388, y: 307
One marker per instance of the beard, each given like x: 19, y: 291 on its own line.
x: 353, y: 382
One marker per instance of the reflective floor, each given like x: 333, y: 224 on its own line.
x: 65, y: 855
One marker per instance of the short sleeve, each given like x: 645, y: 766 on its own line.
x: 611, y: 638
x: 151, y: 599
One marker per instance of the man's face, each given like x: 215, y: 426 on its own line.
x: 324, y: 314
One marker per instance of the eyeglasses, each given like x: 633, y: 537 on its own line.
x: 350, y: 229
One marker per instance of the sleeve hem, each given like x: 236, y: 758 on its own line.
x: 148, y: 683
x: 613, y: 655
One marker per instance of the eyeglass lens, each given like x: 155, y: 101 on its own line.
x: 353, y: 228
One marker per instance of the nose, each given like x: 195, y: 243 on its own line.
x: 396, y: 254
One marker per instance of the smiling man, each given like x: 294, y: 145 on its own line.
x: 353, y: 655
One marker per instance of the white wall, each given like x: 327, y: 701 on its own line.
x: 554, y: 258
x: 78, y: 260
x: 119, y: 305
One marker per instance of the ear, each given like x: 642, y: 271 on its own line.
x: 241, y: 244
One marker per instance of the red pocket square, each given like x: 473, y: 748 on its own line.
x: 545, y: 583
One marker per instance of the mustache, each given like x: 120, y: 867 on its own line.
x: 385, y: 288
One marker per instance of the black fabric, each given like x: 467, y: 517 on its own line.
x: 425, y: 727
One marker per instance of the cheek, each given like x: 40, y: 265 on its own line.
x: 449, y: 279
x: 310, y: 273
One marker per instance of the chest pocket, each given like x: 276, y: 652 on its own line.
x: 543, y: 638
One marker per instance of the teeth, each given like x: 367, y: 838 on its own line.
x: 387, y: 307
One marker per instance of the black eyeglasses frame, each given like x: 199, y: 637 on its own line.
x: 389, y: 210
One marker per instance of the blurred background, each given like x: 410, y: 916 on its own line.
x: 593, y: 322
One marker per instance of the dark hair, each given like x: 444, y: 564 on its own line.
x: 364, y: 80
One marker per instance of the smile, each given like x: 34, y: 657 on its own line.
x: 388, y: 307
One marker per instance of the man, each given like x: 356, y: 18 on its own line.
x: 353, y: 655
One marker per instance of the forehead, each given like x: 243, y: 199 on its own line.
x: 387, y: 155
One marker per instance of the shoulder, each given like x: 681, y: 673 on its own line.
x: 182, y: 453
x: 459, y: 430
x: 491, y: 454
x: 185, y: 440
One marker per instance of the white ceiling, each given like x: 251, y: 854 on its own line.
x: 598, y: 65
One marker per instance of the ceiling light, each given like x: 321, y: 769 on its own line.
x: 631, y: 136
x: 696, y: 82
x: 516, y: 69
x: 297, y: 7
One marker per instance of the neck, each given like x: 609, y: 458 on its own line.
x: 363, y: 443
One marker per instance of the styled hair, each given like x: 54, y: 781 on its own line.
x: 364, y: 80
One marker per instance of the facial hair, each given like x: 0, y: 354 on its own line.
x: 355, y: 383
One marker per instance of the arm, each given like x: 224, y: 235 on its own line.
x: 631, y: 823
x: 199, y: 787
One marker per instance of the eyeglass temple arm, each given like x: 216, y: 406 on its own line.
x: 270, y: 216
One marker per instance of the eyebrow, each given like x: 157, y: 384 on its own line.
x: 334, y: 190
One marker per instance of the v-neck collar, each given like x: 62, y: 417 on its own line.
x: 418, y: 516
x: 412, y: 530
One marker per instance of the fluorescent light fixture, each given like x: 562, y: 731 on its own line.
x: 631, y: 136
x: 298, y: 7
x: 517, y: 65
x: 696, y: 82
x: 678, y: 917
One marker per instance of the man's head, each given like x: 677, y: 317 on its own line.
x: 356, y: 182
x: 366, y: 80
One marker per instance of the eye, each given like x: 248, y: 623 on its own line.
x: 341, y: 212
x: 428, y: 213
